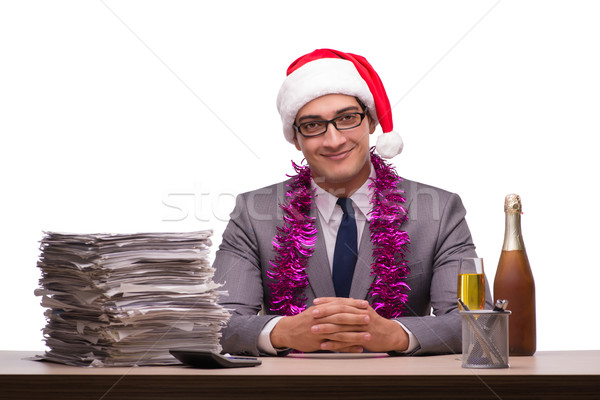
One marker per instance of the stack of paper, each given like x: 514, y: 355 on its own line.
x: 122, y: 300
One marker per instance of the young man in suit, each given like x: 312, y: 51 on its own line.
x: 345, y: 256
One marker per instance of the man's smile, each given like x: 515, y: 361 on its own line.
x: 338, y: 155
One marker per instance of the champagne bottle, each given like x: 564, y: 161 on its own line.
x: 514, y: 282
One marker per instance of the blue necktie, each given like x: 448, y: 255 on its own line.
x: 346, y: 250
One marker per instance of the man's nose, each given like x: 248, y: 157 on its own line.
x: 333, y: 137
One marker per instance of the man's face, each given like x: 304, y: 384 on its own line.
x: 338, y: 160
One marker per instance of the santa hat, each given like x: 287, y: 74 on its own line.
x: 327, y: 71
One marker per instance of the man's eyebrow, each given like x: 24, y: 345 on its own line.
x: 320, y: 117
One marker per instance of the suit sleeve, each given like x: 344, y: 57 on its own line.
x: 440, y: 333
x: 237, y: 266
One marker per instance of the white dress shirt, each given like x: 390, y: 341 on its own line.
x: 330, y: 217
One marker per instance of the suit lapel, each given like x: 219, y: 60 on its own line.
x: 362, y: 279
x: 408, y: 195
x: 318, y: 270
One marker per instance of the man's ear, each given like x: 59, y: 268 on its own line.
x: 296, y: 142
x: 372, y: 124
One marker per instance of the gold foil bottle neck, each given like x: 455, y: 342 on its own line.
x: 513, y: 240
x: 512, y: 204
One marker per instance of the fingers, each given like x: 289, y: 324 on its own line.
x: 347, y: 334
x: 328, y: 311
x: 346, y: 341
x: 328, y: 329
x: 362, y: 304
x: 342, y: 308
x: 341, y: 324
x: 342, y: 319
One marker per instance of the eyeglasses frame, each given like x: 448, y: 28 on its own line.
x: 332, y: 121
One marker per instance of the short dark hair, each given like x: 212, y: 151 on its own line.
x: 361, y: 104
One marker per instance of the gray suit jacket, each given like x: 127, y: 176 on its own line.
x: 439, y: 236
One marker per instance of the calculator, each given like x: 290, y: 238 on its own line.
x: 210, y: 359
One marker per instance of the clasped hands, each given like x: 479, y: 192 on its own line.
x: 339, y: 324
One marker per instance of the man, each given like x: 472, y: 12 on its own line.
x: 345, y: 256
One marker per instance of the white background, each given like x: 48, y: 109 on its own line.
x: 152, y: 115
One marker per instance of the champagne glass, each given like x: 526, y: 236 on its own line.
x: 471, y: 283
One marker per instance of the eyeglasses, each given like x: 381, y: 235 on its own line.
x: 341, y: 123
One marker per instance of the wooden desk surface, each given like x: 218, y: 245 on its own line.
x: 553, y: 375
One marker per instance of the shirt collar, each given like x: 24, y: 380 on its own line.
x: 326, y: 202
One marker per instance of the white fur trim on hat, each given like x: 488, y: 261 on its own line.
x: 389, y: 144
x: 315, y: 79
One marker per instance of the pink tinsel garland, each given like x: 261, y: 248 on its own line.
x: 295, y: 243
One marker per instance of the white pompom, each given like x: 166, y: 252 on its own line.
x: 389, y: 144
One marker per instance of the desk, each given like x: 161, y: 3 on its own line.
x: 548, y: 375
